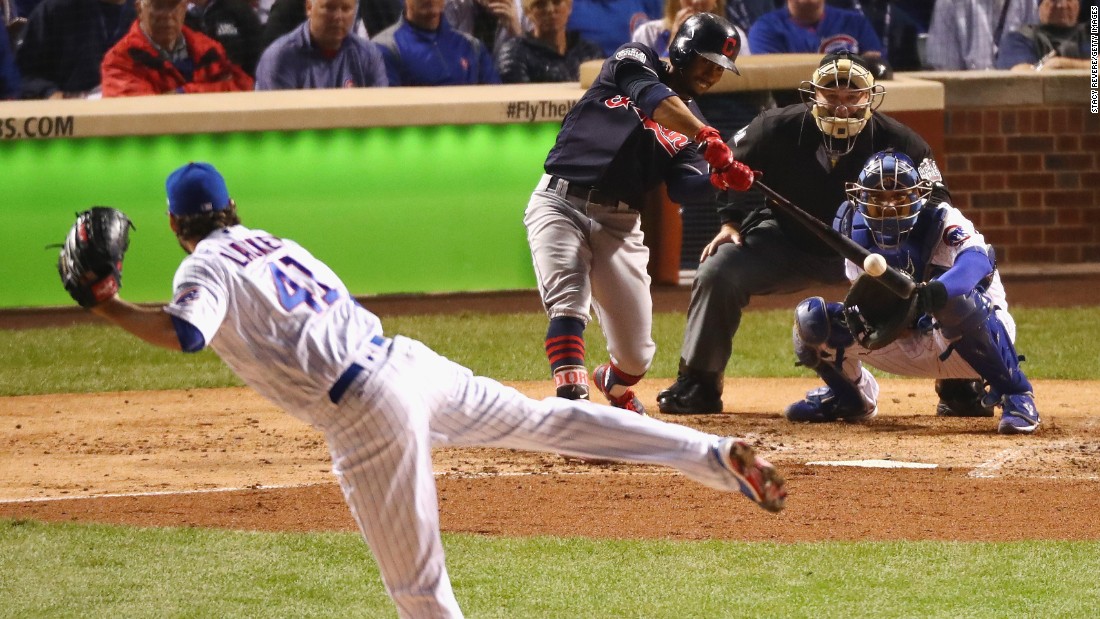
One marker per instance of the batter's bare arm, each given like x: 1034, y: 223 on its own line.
x: 150, y: 324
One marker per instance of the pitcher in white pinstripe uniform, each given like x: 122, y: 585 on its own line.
x: 288, y: 327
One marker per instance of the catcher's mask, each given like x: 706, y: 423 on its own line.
x: 889, y: 195
x: 706, y: 35
x: 841, y: 96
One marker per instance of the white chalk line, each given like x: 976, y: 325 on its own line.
x: 989, y: 469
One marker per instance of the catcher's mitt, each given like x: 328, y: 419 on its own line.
x: 876, y: 316
x: 90, y: 263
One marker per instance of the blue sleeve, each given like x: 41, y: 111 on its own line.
x: 1015, y: 49
x: 765, y: 36
x: 191, y: 339
x: 636, y: 79
x: 393, y: 68
x: 265, y: 71
x: 970, y: 267
x: 691, y: 188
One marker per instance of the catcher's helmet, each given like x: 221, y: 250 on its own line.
x: 889, y: 195
x: 841, y: 96
x: 709, y: 36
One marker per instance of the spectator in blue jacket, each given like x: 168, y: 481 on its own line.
x: 422, y: 49
x: 809, y: 27
x: 610, y: 23
x: 322, y: 53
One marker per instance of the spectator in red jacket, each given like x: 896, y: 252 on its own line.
x: 161, y: 56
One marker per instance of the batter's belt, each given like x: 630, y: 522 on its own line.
x: 580, y: 196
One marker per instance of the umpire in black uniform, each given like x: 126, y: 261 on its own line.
x: 807, y: 152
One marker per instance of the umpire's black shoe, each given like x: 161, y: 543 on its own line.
x: 960, y: 397
x: 689, y: 396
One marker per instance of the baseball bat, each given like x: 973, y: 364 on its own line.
x: 895, y: 280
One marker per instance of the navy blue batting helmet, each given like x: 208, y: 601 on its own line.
x: 706, y: 35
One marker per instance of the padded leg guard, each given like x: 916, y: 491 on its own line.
x: 979, y: 337
x: 820, y: 339
x: 970, y: 323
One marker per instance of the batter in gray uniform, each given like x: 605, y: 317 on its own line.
x: 631, y: 131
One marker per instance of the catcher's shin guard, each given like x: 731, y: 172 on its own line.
x: 979, y: 337
x: 820, y: 339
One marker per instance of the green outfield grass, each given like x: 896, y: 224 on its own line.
x: 507, y: 347
x: 66, y: 570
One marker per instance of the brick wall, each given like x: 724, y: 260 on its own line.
x: 1029, y: 178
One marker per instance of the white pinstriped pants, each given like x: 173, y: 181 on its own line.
x: 416, y: 399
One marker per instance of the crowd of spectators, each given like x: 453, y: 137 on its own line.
x: 94, y: 48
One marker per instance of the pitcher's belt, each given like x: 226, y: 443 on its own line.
x: 354, y: 370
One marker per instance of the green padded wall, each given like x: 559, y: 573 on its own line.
x: 392, y: 210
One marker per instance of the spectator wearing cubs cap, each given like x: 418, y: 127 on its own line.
x: 322, y: 53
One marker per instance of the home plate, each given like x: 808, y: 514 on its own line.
x: 876, y: 464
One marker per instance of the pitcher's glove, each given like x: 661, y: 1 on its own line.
x: 876, y: 316
x: 90, y: 263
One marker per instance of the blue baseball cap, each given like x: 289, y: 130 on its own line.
x: 195, y: 189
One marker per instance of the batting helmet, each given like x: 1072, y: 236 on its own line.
x: 706, y: 35
x: 889, y: 194
x: 841, y: 96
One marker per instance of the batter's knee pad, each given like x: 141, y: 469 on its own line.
x: 819, y: 327
x: 970, y: 323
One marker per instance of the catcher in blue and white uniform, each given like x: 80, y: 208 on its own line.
x: 956, y: 325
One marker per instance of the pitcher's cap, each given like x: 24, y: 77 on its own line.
x: 195, y: 189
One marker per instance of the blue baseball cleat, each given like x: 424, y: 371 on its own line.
x: 1018, y: 414
x: 821, y: 406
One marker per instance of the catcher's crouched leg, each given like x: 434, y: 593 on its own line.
x: 977, y: 334
x: 820, y: 339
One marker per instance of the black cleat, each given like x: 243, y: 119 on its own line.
x: 961, y: 397
x: 688, y: 396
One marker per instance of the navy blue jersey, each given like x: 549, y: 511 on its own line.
x: 610, y: 141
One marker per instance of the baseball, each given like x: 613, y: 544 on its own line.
x: 874, y: 264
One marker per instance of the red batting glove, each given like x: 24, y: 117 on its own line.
x: 715, y: 150
x: 737, y: 176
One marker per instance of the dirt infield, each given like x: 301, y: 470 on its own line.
x: 227, y: 458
